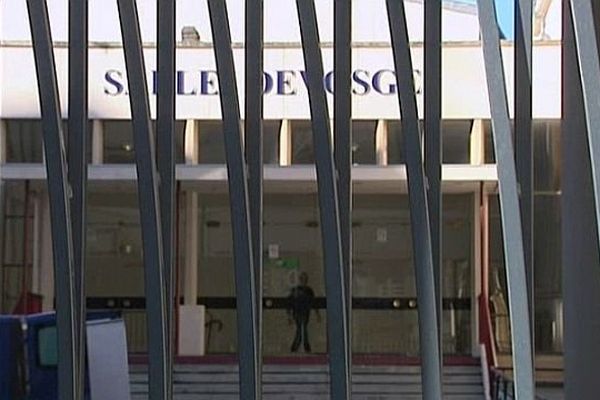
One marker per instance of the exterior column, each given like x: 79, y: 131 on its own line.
x: 476, y: 274
x: 477, y: 143
x: 190, y: 273
x: 191, y: 315
x: 381, y: 142
x: 97, y: 141
x: 2, y: 141
x: 285, y: 143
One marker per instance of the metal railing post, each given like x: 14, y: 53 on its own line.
x: 254, y: 56
x: 148, y: 194
x: 342, y: 103
x: 335, y: 282
x: 433, y: 144
x: 509, y: 203
x: 67, y: 307
x: 165, y: 160
x: 77, y: 162
x: 419, y: 211
x: 238, y: 193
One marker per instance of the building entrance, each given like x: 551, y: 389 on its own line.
x: 384, y: 316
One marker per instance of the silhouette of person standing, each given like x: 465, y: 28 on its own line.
x: 300, y: 303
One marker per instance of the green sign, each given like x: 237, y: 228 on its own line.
x: 285, y: 263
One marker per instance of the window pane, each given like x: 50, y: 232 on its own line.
x: 271, y: 141
x: 548, y: 273
x: 24, y: 141
x: 363, y: 142
x: 383, y: 274
x: 456, y: 146
x: 47, y: 347
x: 490, y: 156
x: 546, y: 154
x: 212, y: 142
x: 395, y: 143
x: 118, y: 142
x: 179, y: 142
x: 455, y: 141
x: 302, y: 143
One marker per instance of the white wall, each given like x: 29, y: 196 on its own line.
x: 370, y: 20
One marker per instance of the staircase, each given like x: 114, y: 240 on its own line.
x: 311, y: 382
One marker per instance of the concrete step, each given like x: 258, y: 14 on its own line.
x: 304, y: 382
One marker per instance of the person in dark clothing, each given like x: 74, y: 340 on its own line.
x: 300, y: 303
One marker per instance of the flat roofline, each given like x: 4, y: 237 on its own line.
x: 272, y: 45
x: 206, y: 178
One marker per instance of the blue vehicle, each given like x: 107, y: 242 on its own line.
x: 28, y: 356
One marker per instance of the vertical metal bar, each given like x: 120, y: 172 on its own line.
x: 3, y: 244
x: 509, y: 203
x: 238, y: 193
x: 580, y: 245
x: 433, y: 144
x: 343, y: 142
x: 77, y: 162
x: 165, y: 159
x: 582, y: 15
x: 60, y: 218
x: 25, y: 288
x: 149, y: 202
x: 254, y: 152
x: 419, y: 213
x: 335, y: 283
x: 524, y: 139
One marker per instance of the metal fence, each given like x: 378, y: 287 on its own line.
x: 155, y: 167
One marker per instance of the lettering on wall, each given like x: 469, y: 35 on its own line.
x: 279, y: 83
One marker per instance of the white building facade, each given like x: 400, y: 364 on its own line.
x: 385, y: 318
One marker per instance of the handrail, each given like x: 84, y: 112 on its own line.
x: 486, y: 331
x: 485, y: 373
x: 503, y: 386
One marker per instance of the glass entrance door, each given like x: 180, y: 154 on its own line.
x: 385, y: 309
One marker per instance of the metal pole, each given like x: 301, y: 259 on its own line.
x: 509, y: 204
x: 254, y: 152
x: 335, y: 284
x: 580, y: 245
x: 342, y: 103
x: 582, y: 14
x: 158, y: 368
x: 433, y: 145
x: 77, y: 162
x: 165, y: 141
x: 419, y: 212
x: 60, y: 218
x: 238, y: 193
x: 524, y: 140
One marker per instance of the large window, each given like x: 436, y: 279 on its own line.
x: 24, y: 141
x: 212, y: 142
x: 119, y: 141
x: 547, y: 248
x: 456, y: 136
x: 385, y: 316
x: 115, y: 273
x: 384, y: 275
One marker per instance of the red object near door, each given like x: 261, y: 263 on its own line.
x: 29, y: 303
